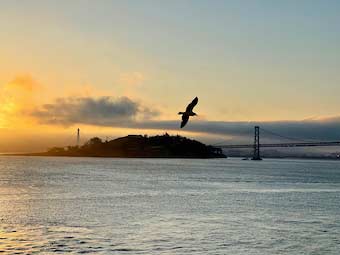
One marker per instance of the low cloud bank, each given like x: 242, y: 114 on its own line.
x: 126, y: 113
x: 102, y: 111
x: 328, y: 129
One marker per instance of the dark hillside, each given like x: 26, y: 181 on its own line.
x: 164, y: 146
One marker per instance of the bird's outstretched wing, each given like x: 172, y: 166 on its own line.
x: 185, y: 119
x: 191, y: 106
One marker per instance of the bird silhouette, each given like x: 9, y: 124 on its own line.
x: 188, y: 112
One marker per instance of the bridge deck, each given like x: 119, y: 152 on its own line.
x: 277, y: 145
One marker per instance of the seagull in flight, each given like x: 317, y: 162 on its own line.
x: 188, y: 112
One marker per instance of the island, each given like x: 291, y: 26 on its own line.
x: 138, y: 146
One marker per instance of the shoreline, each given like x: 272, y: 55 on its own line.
x: 175, y: 157
x: 96, y: 156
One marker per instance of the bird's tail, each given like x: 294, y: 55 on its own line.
x: 180, y: 113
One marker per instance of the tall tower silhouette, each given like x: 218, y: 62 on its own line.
x: 78, y: 137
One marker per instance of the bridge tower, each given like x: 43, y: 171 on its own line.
x: 256, y: 155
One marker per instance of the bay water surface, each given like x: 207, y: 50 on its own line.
x: 52, y: 205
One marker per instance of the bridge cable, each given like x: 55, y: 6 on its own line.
x: 287, y: 137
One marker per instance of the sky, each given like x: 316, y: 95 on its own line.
x: 114, y: 68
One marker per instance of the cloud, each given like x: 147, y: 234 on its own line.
x: 126, y: 113
x: 102, y: 111
x: 16, y: 96
x: 23, y: 82
x: 325, y: 129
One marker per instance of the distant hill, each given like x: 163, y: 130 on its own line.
x: 137, y: 146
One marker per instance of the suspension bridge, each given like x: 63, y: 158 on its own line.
x: 256, y: 145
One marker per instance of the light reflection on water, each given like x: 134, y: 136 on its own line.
x: 168, y: 206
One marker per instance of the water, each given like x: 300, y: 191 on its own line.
x: 168, y: 206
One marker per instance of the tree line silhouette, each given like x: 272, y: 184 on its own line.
x: 160, y: 146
